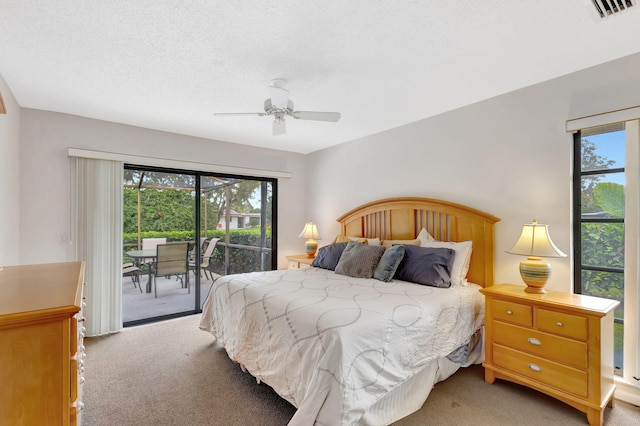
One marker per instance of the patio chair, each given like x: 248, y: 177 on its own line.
x: 192, y: 252
x: 172, y: 259
x: 151, y: 243
x: 205, y: 258
x: 132, y: 271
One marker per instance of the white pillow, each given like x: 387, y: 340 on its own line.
x: 424, y: 236
x: 370, y: 241
x: 461, y: 260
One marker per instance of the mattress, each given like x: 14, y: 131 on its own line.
x: 338, y: 348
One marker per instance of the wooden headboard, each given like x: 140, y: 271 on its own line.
x: 404, y: 218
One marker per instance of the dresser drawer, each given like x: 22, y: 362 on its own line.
x: 512, y: 312
x: 562, y: 324
x: 546, y: 372
x: 561, y: 349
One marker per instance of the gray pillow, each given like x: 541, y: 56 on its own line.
x: 389, y: 262
x: 328, y: 256
x: 426, y: 265
x: 359, y: 260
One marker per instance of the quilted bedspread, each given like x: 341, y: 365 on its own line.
x: 333, y: 345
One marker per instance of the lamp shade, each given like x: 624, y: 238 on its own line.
x: 535, y: 243
x: 310, y: 230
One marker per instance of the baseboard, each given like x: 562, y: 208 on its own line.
x: 627, y: 392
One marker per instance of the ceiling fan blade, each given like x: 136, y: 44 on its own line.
x: 316, y: 115
x: 251, y: 114
x: 279, y: 127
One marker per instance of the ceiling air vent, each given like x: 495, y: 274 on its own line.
x: 610, y: 7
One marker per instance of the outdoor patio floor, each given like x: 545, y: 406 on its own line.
x: 172, y: 298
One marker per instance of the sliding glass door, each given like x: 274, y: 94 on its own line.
x: 215, y: 225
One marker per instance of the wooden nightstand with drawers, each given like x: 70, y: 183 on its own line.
x: 558, y: 343
x: 299, y: 261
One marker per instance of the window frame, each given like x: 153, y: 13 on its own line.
x: 631, y: 320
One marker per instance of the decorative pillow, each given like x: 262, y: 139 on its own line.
x: 341, y: 239
x: 461, y: 262
x: 368, y: 241
x: 424, y: 237
x: 327, y: 257
x: 389, y: 243
x: 389, y: 263
x: 426, y: 265
x: 359, y: 260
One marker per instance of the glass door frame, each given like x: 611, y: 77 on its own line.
x: 198, y: 228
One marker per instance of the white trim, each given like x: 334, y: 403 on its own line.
x: 626, y: 114
x: 626, y: 391
x: 176, y: 164
x: 631, y: 345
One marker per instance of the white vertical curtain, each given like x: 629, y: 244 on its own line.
x: 99, y: 242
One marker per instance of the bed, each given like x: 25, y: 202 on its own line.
x: 348, y: 350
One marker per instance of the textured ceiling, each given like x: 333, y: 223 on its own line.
x: 169, y: 65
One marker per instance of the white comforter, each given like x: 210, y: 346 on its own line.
x: 334, y: 345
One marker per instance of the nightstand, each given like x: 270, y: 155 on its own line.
x: 298, y: 261
x: 558, y: 343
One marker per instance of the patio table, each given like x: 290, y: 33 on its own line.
x: 141, y: 256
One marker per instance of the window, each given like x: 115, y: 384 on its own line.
x: 605, y: 228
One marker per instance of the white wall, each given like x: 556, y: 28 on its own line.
x: 9, y: 178
x: 46, y: 176
x: 509, y: 156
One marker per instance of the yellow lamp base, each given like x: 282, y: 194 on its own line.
x: 535, y: 274
x: 311, y: 247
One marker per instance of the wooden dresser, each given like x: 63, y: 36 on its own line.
x: 557, y: 343
x: 41, y: 352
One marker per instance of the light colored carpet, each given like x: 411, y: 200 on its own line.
x: 172, y: 373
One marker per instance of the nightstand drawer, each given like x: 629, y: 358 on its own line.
x: 562, y: 324
x: 299, y: 261
x: 512, y: 312
x: 297, y: 265
x: 546, y: 372
x: 546, y: 345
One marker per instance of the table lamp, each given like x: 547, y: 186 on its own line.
x: 535, y: 243
x: 310, y: 231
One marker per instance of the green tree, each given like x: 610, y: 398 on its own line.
x: 603, y: 244
x: 238, y: 195
x: 591, y: 161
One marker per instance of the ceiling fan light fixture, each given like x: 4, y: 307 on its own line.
x: 270, y: 108
x: 279, y: 125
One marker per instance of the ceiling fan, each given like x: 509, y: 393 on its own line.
x: 279, y: 105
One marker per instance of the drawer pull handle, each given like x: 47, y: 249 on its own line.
x: 534, y: 341
x: 559, y: 324
x: 509, y: 312
x: 535, y: 367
